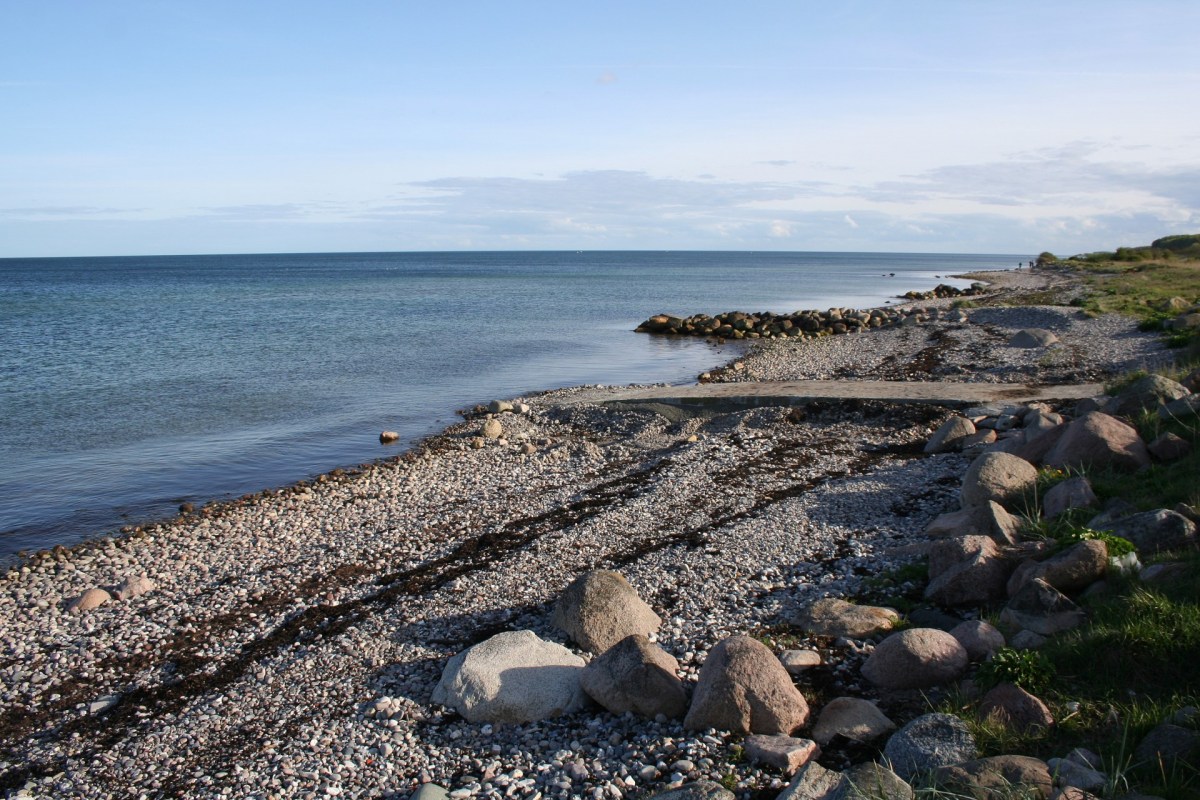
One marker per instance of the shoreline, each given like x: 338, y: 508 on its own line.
x: 292, y: 642
x: 212, y: 504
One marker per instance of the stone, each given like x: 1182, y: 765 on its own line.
x: 491, y: 429
x: 950, y: 436
x: 1180, y: 409
x: 980, y: 440
x: 1072, y: 570
x: 834, y: 617
x: 932, y: 617
x: 429, y: 791
x: 995, y: 778
x: 1168, y: 745
x: 1033, y: 337
x: 499, y: 407
x: 1015, y: 708
x: 1157, y: 531
x: 914, y: 659
x: 1169, y: 447
x: 743, y: 687
x: 599, y: 608
x: 784, y: 753
x: 1027, y: 640
x: 928, y: 742
x: 968, y: 571
x: 1074, y: 492
x: 387, y: 437
x: 1098, y: 441
x: 990, y: 519
x: 698, y: 790
x: 1191, y: 381
x: 1069, y: 773
x: 1041, y: 421
x: 134, y: 586
x: 980, y: 639
x: 512, y: 677
x: 90, y: 599
x: 1002, y: 477
x: 871, y: 781
x: 852, y: 718
x: 798, y: 661
x: 1146, y: 394
x: 1038, y: 443
x: 636, y: 675
x: 521, y: 408
x: 1041, y: 608
x: 812, y: 782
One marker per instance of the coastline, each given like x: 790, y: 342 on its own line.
x: 377, y: 575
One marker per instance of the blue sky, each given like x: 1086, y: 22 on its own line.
x: 200, y: 127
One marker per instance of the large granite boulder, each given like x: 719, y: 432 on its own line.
x: 990, y: 519
x: 636, y: 675
x: 951, y: 435
x: 1015, y: 708
x: 92, y: 598
x: 1169, y: 745
x: 785, y: 753
x: 853, y: 718
x: 512, y: 677
x: 1098, y: 441
x: 697, y: 790
x: 600, y: 608
x: 928, y: 742
x: 1146, y: 394
x: 1039, y: 607
x: 968, y: 571
x: 743, y: 687
x: 1156, y: 531
x: 834, y: 617
x: 1033, y: 337
x: 996, y: 777
x: 871, y: 781
x: 1075, y: 568
x: 1074, y: 492
x: 1002, y: 477
x: 979, y: 638
x: 916, y: 658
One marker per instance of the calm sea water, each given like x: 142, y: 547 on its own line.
x: 129, y: 385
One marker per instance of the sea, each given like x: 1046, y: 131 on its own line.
x: 130, y: 385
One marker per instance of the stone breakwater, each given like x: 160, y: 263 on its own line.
x: 293, y: 644
x: 799, y: 324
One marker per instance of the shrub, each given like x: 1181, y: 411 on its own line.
x: 1028, y: 669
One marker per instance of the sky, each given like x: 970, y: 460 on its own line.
x: 131, y: 127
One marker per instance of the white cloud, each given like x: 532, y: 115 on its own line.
x: 780, y: 229
x: 850, y: 221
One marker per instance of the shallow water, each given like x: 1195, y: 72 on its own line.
x: 129, y: 385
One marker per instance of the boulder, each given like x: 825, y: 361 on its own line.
x: 968, y: 571
x: 997, y: 476
x: 636, y: 675
x: 1037, y: 444
x: 990, y: 519
x: 980, y: 639
x: 1183, y: 408
x: 784, y: 753
x: 1075, y: 568
x: 499, y: 407
x: 430, y: 791
x: 600, y: 608
x: 852, y: 718
x: 914, y: 659
x: 1033, y: 337
x: 798, y: 661
x: 491, y: 429
x: 1146, y: 394
x: 1169, y: 745
x: 981, y: 439
x: 1015, y: 708
x: 1156, y: 531
x: 1169, y: 447
x: 134, y: 586
x: 834, y: 617
x: 928, y: 742
x: 1067, y: 772
x: 1098, y: 441
x: 996, y: 777
x: 698, y: 790
x: 743, y: 687
x: 512, y: 677
x: 1041, y: 608
x: 871, y: 781
x: 1074, y: 492
x: 90, y: 599
x: 812, y: 782
x: 387, y: 437
x: 950, y: 435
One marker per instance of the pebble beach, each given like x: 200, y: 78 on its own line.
x: 290, y: 642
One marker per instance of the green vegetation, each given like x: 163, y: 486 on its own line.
x: 1028, y: 669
